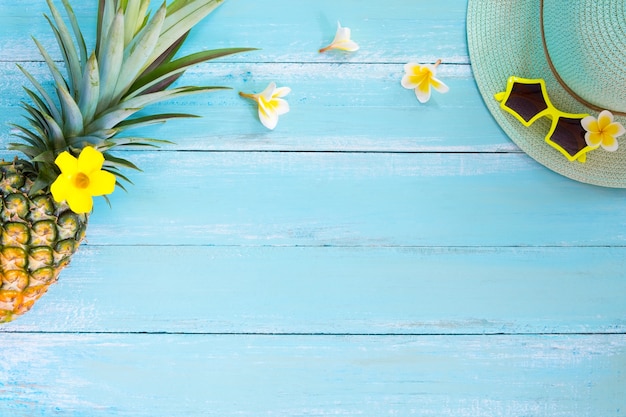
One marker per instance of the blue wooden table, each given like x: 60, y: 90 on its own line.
x: 371, y: 256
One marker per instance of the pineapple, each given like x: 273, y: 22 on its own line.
x: 133, y: 65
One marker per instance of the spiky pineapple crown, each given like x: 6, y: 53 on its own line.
x: 132, y: 65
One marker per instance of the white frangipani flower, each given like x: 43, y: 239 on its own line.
x: 602, y: 131
x: 342, y: 41
x: 421, y: 78
x: 270, y: 103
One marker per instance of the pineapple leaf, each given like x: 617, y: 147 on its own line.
x: 110, y: 60
x: 38, y: 122
x: 46, y: 157
x: 159, y: 85
x: 38, y: 101
x: 66, y: 45
x: 103, y: 133
x: 80, y: 142
x: 27, y: 150
x: 29, y: 136
x: 120, y: 186
x: 137, y: 53
x: 54, y: 112
x: 132, y: 141
x: 151, y: 119
x: 106, y: 13
x: 24, y: 138
x: 119, y: 176
x: 147, y: 99
x: 54, y: 70
x: 72, y: 117
x: 131, y: 14
x: 89, y: 90
x: 133, y: 65
x: 54, y: 132
x: 113, y: 161
x: 182, y: 15
x: 127, y: 108
x: 45, y: 177
x: 135, y: 18
x: 178, y: 67
x: 82, y: 47
x: 168, y: 55
x: 110, y: 118
x: 177, y: 5
x: 108, y: 201
x: 115, y: 171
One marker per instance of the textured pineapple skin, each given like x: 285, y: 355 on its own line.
x: 37, y: 239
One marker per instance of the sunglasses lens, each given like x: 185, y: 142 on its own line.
x: 526, y: 100
x: 569, y: 135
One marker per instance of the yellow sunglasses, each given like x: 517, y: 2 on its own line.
x: 527, y: 100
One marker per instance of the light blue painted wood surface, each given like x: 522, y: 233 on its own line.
x: 371, y: 256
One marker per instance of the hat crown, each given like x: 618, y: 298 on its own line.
x: 586, y: 43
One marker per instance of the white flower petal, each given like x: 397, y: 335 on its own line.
x: 409, y: 67
x: 347, y: 45
x: 439, y: 86
x: 422, y: 96
x: 341, y: 41
x: 343, y: 34
x: 406, y: 82
x: 269, y: 91
x: 605, y: 114
x: 281, y: 106
x: 586, y: 121
x: 268, y: 118
x: 281, y: 91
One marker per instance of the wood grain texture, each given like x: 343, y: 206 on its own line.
x: 264, y: 375
x: 285, y: 31
x: 341, y: 105
x: 349, y: 290
x: 357, y: 199
x: 371, y: 256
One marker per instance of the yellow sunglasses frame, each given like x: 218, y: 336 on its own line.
x: 550, y: 112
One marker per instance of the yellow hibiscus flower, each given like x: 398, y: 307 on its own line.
x: 81, y: 179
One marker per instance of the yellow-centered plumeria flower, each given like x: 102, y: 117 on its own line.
x: 602, y: 131
x: 342, y: 41
x: 81, y: 179
x: 271, y: 104
x: 421, y: 78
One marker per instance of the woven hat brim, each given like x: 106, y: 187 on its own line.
x: 504, y: 39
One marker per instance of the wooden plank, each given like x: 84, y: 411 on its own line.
x: 242, y: 375
x: 346, y: 107
x: 355, y: 199
x: 286, y: 31
x: 335, y: 290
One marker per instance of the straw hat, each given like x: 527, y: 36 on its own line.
x: 579, y: 48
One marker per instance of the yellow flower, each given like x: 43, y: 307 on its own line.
x: 421, y: 78
x: 81, y: 179
x: 342, y: 41
x: 270, y: 103
x: 602, y: 131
